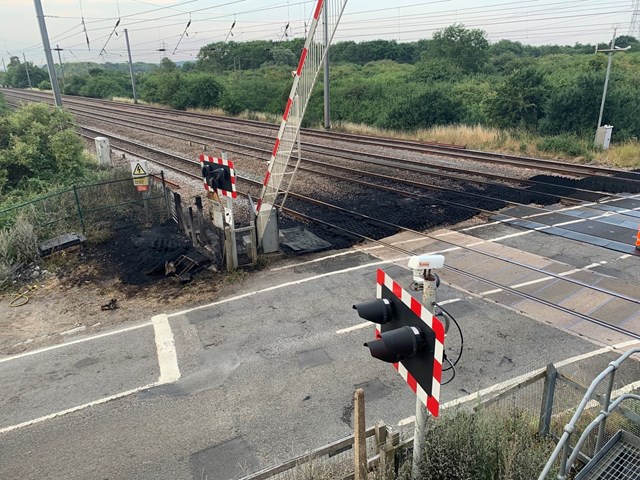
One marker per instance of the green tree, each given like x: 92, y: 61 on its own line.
x: 423, y: 108
x: 468, y: 49
x: 74, y: 84
x: 574, y: 107
x: 16, y: 75
x: 519, y: 100
x: 42, y: 148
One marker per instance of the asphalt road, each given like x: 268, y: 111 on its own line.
x: 263, y: 376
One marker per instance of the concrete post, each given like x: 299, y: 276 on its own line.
x: 103, y: 151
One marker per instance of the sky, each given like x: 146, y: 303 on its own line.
x: 181, y: 27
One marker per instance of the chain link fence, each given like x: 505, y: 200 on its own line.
x: 92, y: 209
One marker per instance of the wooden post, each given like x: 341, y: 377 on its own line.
x: 192, y: 232
x: 359, y: 439
x: 228, y: 251
x: 202, y: 235
x: 177, y: 200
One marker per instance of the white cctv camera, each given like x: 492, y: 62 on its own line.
x: 420, y: 263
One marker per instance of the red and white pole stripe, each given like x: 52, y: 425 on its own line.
x: 292, y: 94
x: 432, y: 401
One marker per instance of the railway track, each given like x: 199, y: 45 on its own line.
x: 455, y: 151
x: 349, y: 216
x: 357, y: 225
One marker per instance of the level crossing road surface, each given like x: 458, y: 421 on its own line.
x: 243, y: 382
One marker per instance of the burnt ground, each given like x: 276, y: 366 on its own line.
x: 130, y: 265
x: 139, y: 256
x: 69, y: 289
x: 432, y: 211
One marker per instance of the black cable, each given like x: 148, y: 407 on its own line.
x: 461, y: 336
x: 450, y: 368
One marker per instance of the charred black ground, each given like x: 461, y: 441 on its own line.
x: 138, y: 255
x: 433, y: 211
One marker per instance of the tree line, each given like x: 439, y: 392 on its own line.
x: 457, y: 77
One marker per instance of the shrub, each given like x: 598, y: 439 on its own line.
x: 44, y: 85
x: 487, y: 445
x: 18, y: 244
x: 564, y: 144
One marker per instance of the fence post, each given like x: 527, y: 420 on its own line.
x: 177, y: 200
x: 164, y: 193
x: 546, y: 410
x: 202, y: 237
x: 359, y: 438
x: 79, y: 208
x: 228, y: 251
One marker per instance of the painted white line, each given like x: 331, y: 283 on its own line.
x: 79, y: 407
x: 167, y: 360
x: 287, y: 284
x: 73, y: 342
x: 355, y: 327
x: 315, y: 260
x: 447, y: 302
x: 366, y: 324
x: 494, y: 389
x: 545, y: 279
x: 167, y: 357
x: 623, y: 257
x: 545, y: 227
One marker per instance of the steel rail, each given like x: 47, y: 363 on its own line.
x: 455, y: 151
x: 407, y: 165
x: 391, y: 225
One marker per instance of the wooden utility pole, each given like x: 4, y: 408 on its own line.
x: 359, y: 438
x: 58, y: 49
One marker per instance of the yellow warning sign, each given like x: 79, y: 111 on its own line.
x: 138, y: 170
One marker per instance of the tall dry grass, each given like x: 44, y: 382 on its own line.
x: 477, y: 137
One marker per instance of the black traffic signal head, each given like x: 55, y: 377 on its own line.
x: 399, y: 344
x: 216, y: 176
x: 378, y: 310
x: 408, y: 336
x: 219, y: 176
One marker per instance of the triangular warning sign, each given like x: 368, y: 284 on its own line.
x: 139, y: 170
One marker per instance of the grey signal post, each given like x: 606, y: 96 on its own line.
x: 428, y: 301
x: 327, y: 113
x: 47, y: 52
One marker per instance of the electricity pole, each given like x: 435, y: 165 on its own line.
x: 47, y: 52
x: 58, y: 49
x: 610, y: 51
x: 26, y: 69
x: 133, y: 82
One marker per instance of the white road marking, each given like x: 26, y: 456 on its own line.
x: 167, y: 357
x: 447, y: 302
x: 623, y: 257
x: 366, y: 324
x: 545, y: 279
x: 79, y: 407
x: 167, y: 360
x: 355, y: 327
x: 73, y: 342
x: 315, y: 260
x: 545, y: 227
x: 499, y: 387
x: 287, y: 284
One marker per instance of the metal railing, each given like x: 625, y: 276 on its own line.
x: 563, y: 450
